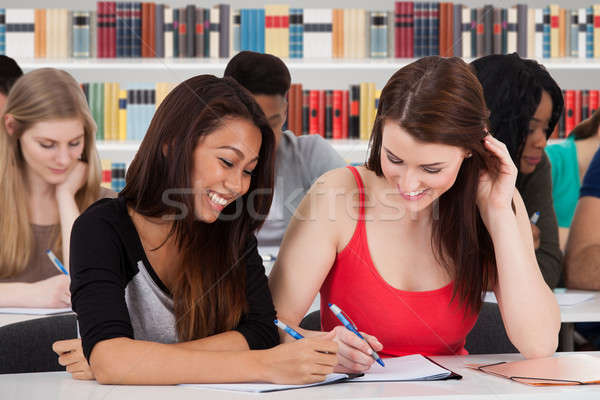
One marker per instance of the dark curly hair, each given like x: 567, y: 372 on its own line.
x: 512, y: 87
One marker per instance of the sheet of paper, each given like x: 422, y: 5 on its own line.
x: 262, y: 387
x: 268, y: 253
x: 408, y: 368
x: 34, y: 311
x: 565, y: 299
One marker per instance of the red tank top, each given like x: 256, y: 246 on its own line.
x: 427, y: 322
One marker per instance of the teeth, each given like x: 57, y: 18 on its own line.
x: 413, y: 194
x: 215, y: 198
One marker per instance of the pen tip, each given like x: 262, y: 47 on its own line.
x: 381, y: 362
x: 329, y: 304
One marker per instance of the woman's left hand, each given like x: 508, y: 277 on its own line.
x: 70, y: 355
x: 497, y: 194
x: 74, y: 181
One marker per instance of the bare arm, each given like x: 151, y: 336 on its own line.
x: 68, y: 211
x: 529, y: 309
x: 582, y: 258
x: 49, y: 293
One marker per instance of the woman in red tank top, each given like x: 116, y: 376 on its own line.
x: 407, y: 243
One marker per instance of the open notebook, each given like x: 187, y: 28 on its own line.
x: 408, y: 368
x: 568, y: 369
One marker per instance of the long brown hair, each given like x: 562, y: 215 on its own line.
x: 41, y: 95
x: 209, y: 293
x: 439, y: 100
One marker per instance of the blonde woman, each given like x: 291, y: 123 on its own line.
x: 50, y: 174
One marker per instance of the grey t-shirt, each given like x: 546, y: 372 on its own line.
x: 300, y: 160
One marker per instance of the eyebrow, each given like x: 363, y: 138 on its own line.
x: 54, y: 141
x: 435, y: 164
x: 238, y: 152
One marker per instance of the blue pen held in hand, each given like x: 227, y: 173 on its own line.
x: 535, y: 217
x: 288, y: 330
x: 351, y: 327
x: 56, y: 262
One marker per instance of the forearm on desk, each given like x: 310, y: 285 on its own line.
x: 583, y: 269
x: 226, y: 341
x: 130, y: 362
x: 14, y: 294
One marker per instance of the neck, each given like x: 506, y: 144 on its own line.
x: 38, y: 187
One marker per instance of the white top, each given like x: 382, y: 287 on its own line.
x: 474, y: 385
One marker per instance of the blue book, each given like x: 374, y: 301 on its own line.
x: 425, y: 46
x: 81, y: 34
x: 253, y: 41
x: 260, y: 30
x: 546, y: 37
x: 135, y: 33
x: 379, y: 34
x: 417, y: 30
x: 589, y: 35
x: 236, y: 32
x: 434, y: 32
x: 120, y: 29
x: 245, y: 29
x: 175, y: 32
x: 2, y: 31
x: 574, y: 34
x: 296, y: 33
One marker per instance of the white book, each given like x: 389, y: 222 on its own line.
x: 214, y: 34
x: 20, y: 37
x: 63, y: 33
x: 311, y: 35
x: 361, y: 33
x: 539, y: 33
x: 466, y: 32
x: 511, y: 36
x: 581, y: 43
x: 50, y: 33
x: 168, y: 18
x: 531, y: 33
x: 347, y: 33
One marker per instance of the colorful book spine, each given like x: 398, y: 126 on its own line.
x: 168, y: 32
x: 122, y: 115
x: 199, y: 30
x: 589, y: 37
x: 379, y: 34
x: 236, y: 32
x: 466, y: 32
x: 596, y: 10
x: 2, y: 31
x: 522, y: 17
x: 512, y: 30
x: 456, y: 44
x: 434, y: 33
x: 81, y: 32
x: 20, y: 33
x: 574, y: 30
x: 554, y: 33
x: 190, y: 34
x: 225, y: 30
x: 296, y: 33
x: 581, y: 33
x: 214, y: 32
x: 159, y: 31
x: 136, y: 33
x: 106, y: 174
x: 305, y: 111
x: 546, y: 49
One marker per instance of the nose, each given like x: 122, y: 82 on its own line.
x: 538, y: 138
x: 409, y: 181
x: 63, y: 157
x: 235, y: 183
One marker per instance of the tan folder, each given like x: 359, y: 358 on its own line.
x: 570, y: 369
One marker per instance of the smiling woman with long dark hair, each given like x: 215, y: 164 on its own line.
x: 167, y: 282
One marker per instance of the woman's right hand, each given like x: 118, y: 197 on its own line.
x: 304, y: 361
x: 354, y: 354
x: 51, y: 292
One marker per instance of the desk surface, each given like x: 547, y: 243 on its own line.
x: 587, y: 311
x: 474, y: 385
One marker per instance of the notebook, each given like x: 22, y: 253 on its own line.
x: 568, y: 369
x: 34, y: 311
x: 408, y: 368
x: 264, y: 387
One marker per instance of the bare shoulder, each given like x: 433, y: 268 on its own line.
x: 336, y: 178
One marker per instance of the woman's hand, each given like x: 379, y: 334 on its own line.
x: 51, y: 292
x: 354, y: 354
x: 75, y: 180
x: 304, y: 361
x: 496, y: 194
x: 70, y: 355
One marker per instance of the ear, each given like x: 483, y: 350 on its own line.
x: 10, y: 123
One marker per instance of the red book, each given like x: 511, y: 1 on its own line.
x: 398, y: 29
x: 337, y: 114
x: 577, y: 107
x: 345, y: 114
x: 100, y: 29
x: 569, y: 111
x: 322, y: 106
x: 112, y: 29
x: 313, y: 107
x: 145, y: 29
x: 291, y: 101
x: 593, y: 101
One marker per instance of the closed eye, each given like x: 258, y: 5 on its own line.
x: 394, y: 160
x: 75, y: 144
x: 227, y: 163
x: 431, y: 170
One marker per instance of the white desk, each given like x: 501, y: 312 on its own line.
x: 587, y: 311
x: 474, y: 385
x: 7, y: 319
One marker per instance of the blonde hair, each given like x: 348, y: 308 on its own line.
x: 40, y: 95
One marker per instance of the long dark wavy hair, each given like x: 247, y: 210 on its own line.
x: 439, y: 100
x: 209, y: 293
x: 512, y: 87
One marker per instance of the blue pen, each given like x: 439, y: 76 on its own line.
x: 56, y: 262
x: 340, y: 315
x: 535, y: 217
x: 289, y: 330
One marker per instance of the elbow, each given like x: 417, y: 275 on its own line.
x: 103, y: 375
x: 541, y: 349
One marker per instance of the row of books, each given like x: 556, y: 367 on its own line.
x: 579, y: 105
x: 113, y: 175
x: 412, y: 29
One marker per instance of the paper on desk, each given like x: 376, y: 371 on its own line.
x: 408, y: 368
x: 34, y: 311
x: 263, y: 387
x: 563, y: 299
